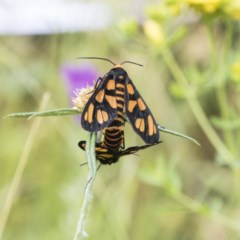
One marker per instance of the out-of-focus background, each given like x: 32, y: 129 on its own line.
x: 190, y: 81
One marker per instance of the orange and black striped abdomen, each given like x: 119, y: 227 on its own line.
x: 109, y: 156
x: 114, y: 134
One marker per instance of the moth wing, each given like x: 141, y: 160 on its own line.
x: 101, y: 108
x: 139, y: 114
x: 132, y: 150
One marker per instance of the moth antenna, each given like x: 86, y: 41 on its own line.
x: 82, y: 164
x: 98, y: 58
x: 131, y: 63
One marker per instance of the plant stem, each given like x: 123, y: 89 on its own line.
x: 220, y: 54
x: 221, y: 93
x: 195, y: 106
x: 11, y: 195
x: 88, y: 195
x: 224, y: 109
x: 204, y: 210
x: 53, y: 112
x: 163, y: 129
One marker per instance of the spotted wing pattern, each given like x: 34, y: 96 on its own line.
x: 139, y: 114
x: 101, y: 108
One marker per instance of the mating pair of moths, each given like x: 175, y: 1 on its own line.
x: 115, y: 97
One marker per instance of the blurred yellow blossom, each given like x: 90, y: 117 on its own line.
x: 235, y: 71
x: 177, y: 91
x: 174, y: 9
x: 129, y: 27
x: 207, y: 6
x: 233, y: 9
x: 154, y: 32
x: 163, y: 11
x: 170, y: 8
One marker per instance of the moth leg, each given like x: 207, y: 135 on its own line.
x: 123, y: 140
x: 98, y: 82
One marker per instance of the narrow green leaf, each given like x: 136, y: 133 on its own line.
x: 20, y: 115
x: 163, y: 129
x: 54, y: 112
x: 71, y: 111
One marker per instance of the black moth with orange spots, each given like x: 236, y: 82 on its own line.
x: 114, y: 96
x: 109, y: 156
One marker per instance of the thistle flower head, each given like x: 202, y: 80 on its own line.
x: 82, y: 97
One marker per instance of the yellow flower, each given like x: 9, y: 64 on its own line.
x: 207, y: 6
x: 163, y: 11
x: 129, y: 27
x: 233, y: 9
x: 235, y: 71
x: 154, y: 32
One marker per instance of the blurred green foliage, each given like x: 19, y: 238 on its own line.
x: 173, y: 191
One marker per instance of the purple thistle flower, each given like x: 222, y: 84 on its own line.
x: 78, y: 76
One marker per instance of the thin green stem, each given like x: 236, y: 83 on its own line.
x: 195, y: 106
x: 221, y: 93
x: 88, y: 195
x: 163, y: 129
x: 16, y: 180
x: 204, y: 210
x: 224, y: 109
x: 212, y: 43
x: 70, y: 111
x: 53, y: 112
x: 218, y: 61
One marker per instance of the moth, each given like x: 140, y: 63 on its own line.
x: 107, y: 155
x: 114, y: 97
